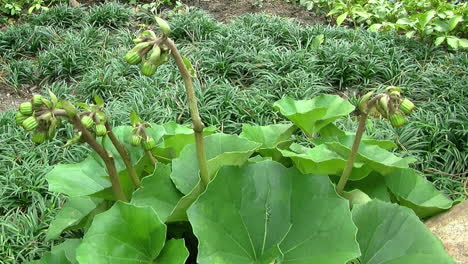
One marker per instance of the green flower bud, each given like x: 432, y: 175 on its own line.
x: 393, y: 89
x: 87, y: 121
x: 382, y: 105
x: 163, y: 25
x: 69, y: 108
x: 395, y: 94
x: 149, y: 144
x: 75, y: 139
x: 101, y: 130
x: 37, y: 100
x: 26, y: 108
x: 136, y: 140
x: 132, y: 58
x: 138, y: 40
x: 30, y: 123
x: 407, y: 106
x: 20, y: 118
x: 54, y: 123
x: 101, y: 117
x: 148, y: 68
x: 147, y: 35
x: 38, y: 137
x: 364, y: 100
x: 154, y: 54
x: 397, y: 119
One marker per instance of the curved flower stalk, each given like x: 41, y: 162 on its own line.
x: 151, y: 51
x: 389, y: 105
x: 43, y: 117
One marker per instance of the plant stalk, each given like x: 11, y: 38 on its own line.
x: 151, y: 158
x: 194, y: 113
x: 352, y: 157
x: 108, y: 160
x: 125, y: 156
x: 357, y: 141
x: 148, y: 153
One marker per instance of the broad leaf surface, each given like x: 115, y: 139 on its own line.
x: 392, y: 234
x: 74, y: 210
x: 271, y: 137
x: 322, y: 160
x: 330, y: 154
x: 61, y: 254
x: 90, y: 176
x: 373, y: 185
x: 264, y: 212
x: 221, y: 150
x: 347, y: 140
x: 413, y: 191
x: 174, y: 252
x: 372, y: 155
x: 124, y: 234
x: 312, y: 115
x: 158, y: 192
x: 331, y: 130
x: 175, y: 138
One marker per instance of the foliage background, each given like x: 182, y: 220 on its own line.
x: 243, y: 67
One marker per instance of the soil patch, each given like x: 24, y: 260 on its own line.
x: 11, y: 99
x: 226, y: 10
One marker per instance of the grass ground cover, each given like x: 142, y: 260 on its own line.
x: 243, y: 67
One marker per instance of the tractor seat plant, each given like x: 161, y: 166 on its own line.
x: 167, y: 193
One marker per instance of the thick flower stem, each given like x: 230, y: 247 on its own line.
x: 150, y: 157
x: 125, y: 156
x: 102, y: 152
x: 195, y: 115
x: 352, y: 157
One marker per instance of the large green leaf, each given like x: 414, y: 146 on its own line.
x: 158, y: 192
x: 413, y: 191
x: 175, y: 138
x: 71, y: 214
x: 90, y: 176
x: 61, y: 254
x: 331, y: 153
x: 265, y: 212
x: 174, y: 252
x: 322, y: 160
x: 221, y: 150
x: 124, y: 234
x: 374, y: 156
x: 312, y: 115
x: 271, y: 137
x: 347, y: 140
x: 391, y: 234
x: 373, y: 185
x: 180, y: 211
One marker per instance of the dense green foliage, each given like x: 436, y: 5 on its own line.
x: 441, y: 21
x: 244, y: 67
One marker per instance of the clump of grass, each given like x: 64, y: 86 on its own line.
x: 20, y: 73
x: 243, y: 67
x: 112, y: 15
x: 74, y: 54
x: 62, y: 16
x: 25, y: 40
x: 26, y: 206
